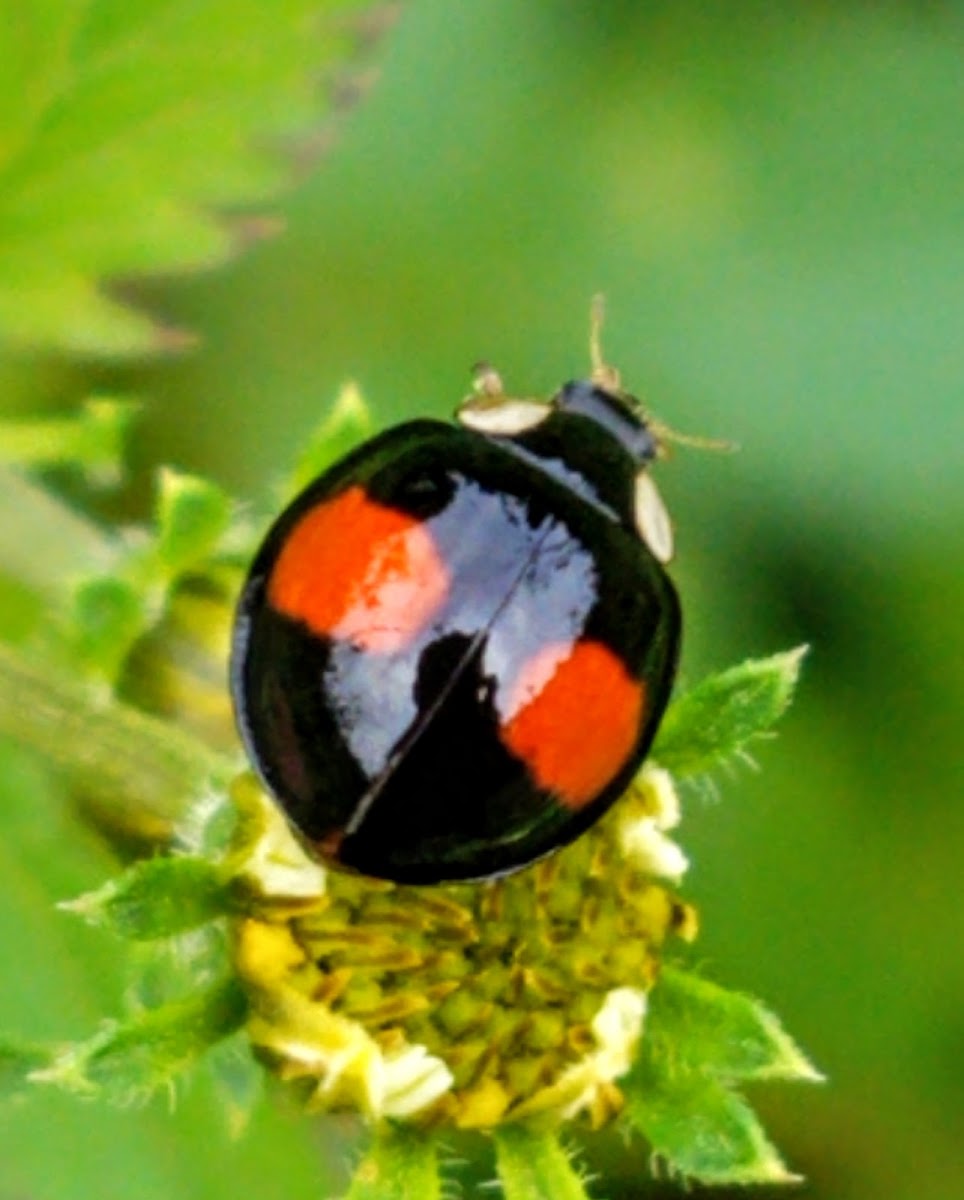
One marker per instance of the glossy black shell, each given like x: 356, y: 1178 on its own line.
x: 392, y: 763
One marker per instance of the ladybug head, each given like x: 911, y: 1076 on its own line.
x: 614, y: 462
x: 619, y: 414
x: 599, y: 399
x: 619, y: 461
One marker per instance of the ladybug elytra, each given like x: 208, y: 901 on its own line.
x: 454, y: 648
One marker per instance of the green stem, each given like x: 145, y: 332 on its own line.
x: 143, y: 772
x: 533, y: 1166
x: 401, y: 1164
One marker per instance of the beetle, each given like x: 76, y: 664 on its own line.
x: 453, y: 649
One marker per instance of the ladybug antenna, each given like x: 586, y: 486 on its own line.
x: 603, y: 375
x: 607, y: 377
x: 665, y: 435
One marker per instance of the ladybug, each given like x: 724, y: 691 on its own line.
x: 454, y: 647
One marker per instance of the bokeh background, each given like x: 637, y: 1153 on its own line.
x: 771, y: 196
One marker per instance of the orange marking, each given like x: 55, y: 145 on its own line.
x: 352, y: 568
x: 573, y: 717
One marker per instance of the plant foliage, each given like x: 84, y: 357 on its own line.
x: 140, y: 137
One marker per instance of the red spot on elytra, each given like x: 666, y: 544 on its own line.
x: 573, y: 716
x: 355, y: 569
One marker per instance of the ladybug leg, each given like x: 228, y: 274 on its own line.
x: 486, y: 382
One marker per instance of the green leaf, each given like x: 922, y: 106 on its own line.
x: 400, y: 1163
x: 533, y: 1166
x: 238, y: 1081
x: 347, y: 424
x: 18, y: 1061
x: 107, y: 614
x: 125, y: 128
x: 192, y: 516
x: 93, y: 440
x: 703, y: 1130
x: 128, y: 1062
x: 699, y: 1039
x: 706, y: 1027
x: 718, y: 718
x: 157, y: 898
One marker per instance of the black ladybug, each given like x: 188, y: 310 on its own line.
x: 454, y: 648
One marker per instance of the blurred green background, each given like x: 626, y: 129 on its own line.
x: 771, y: 197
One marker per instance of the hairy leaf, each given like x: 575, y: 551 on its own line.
x: 157, y: 898
x: 700, y: 1128
x: 718, y: 718
x: 698, y: 1041
x: 707, y: 1027
x: 128, y: 1061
